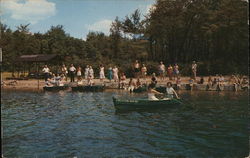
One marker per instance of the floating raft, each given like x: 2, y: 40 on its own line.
x: 55, y: 88
x: 144, y: 104
x: 88, y: 88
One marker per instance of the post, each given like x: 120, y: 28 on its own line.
x: 37, y: 66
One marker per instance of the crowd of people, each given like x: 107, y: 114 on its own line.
x: 140, y: 74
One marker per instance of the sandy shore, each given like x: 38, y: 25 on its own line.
x: 37, y: 85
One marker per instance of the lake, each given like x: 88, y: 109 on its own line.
x: 67, y: 124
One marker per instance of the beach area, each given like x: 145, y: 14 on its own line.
x: 34, y: 85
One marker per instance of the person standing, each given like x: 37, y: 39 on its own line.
x: 72, y: 71
x: 162, y: 70
x: 110, y: 73
x: 65, y: 72
x: 86, y: 73
x: 176, y: 71
x: 144, y: 71
x: 46, y: 72
x: 136, y: 69
x: 79, y: 73
x: 115, y: 74
x: 91, y: 72
x: 102, y: 74
x: 170, y: 72
x: 194, y: 69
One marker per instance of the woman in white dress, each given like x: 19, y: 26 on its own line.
x: 152, y: 92
x: 115, y: 74
x: 86, y: 72
x: 91, y: 72
x: 102, y: 75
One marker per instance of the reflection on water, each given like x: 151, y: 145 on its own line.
x: 67, y: 124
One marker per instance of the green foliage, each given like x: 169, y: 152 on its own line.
x: 212, y: 32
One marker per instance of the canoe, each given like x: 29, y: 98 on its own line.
x: 55, y: 88
x: 96, y: 88
x: 144, y: 104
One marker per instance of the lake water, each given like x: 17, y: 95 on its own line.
x: 66, y: 124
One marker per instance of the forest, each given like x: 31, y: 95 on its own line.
x: 215, y: 33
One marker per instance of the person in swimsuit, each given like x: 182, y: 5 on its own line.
x: 162, y: 70
x: 176, y: 71
x: 131, y: 85
x: 194, y: 69
x: 152, y: 92
x: 122, y: 81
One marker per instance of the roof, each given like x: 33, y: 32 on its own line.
x: 36, y: 58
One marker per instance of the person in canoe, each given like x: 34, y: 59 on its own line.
x: 170, y: 91
x: 152, y: 92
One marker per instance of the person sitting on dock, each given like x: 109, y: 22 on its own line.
x: 80, y: 82
x: 221, y: 81
x: 191, y: 83
x: 170, y: 91
x: 152, y: 92
x: 57, y: 80
x: 209, y: 83
x: 215, y: 81
x: 244, y: 84
x: 90, y: 81
x: 153, y: 80
x: 122, y: 81
x: 138, y: 83
x: 131, y: 85
x: 201, y: 81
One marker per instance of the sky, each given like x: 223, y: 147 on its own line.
x: 77, y: 16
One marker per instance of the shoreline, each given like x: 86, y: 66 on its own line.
x: 33, y: 85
